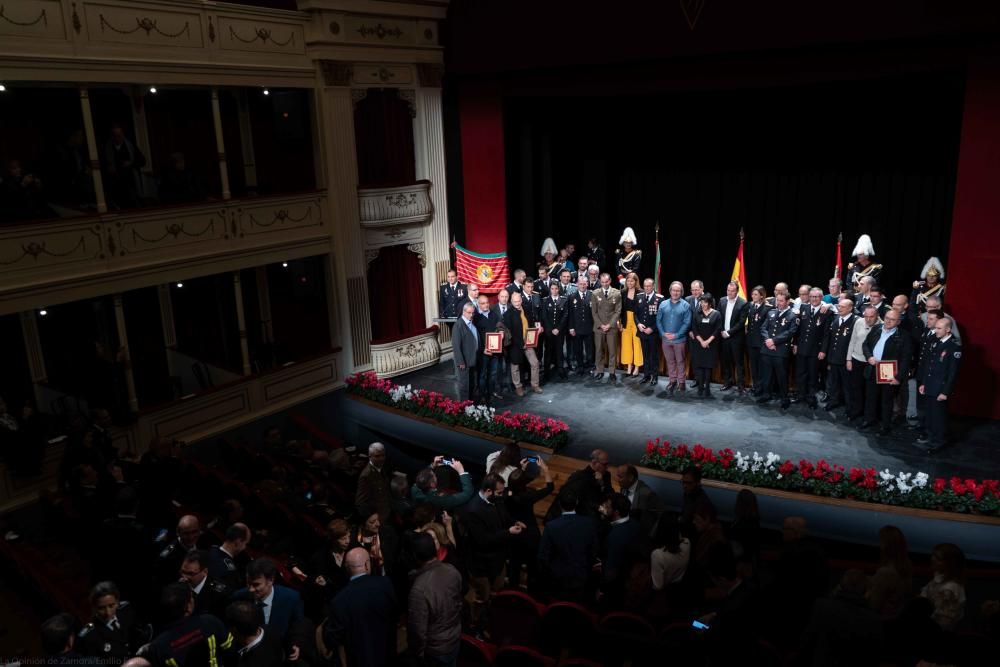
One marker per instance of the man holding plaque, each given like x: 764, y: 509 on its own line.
x: 888, y: 351
x: 523, y: 328
x: 487, y: 359
x: 465, y: 346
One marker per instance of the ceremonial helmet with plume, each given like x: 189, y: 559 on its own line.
x: 864, y: 246
x: 934, y: 266
x: 549, y: 246
x: 627, y: 235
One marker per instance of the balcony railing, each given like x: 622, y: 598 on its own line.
x: 394, y: 206
x: 46, y: 262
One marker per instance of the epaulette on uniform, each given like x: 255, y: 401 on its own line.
x: 85, y: 630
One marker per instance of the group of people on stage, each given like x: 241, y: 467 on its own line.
x: 588, y: 320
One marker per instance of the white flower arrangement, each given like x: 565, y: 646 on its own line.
x: 480, y: 412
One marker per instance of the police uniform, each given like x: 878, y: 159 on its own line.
x: 541, y: 285
x: 555, y: 316
x: 781, y: 326
x: 213, y: 598
x: 925, y: 342
x: 596, y: 256
x: 514, y: 287
x: 449, y: 298
x: 939, y: 377
x: 646, y: 307
x: 225, y: 568
x: 168, y: 562
x: 814, y: 325
x: 836, y: 346
x: 581, y: 321
x: 756, y: 315
x: 115, y: 641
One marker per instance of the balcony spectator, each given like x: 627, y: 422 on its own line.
x: 122, y: 164
x: 21, y: 195
x: 178, y: 185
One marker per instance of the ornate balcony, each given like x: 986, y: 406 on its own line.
x: 44, y: 263
x: 405, y: 355
x: 395, y: 206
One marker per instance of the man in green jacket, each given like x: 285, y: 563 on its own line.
x: 425, y: 488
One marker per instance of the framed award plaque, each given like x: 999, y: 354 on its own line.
x: 494, y: 342
x: 886, y: 371
x: 531, y: 338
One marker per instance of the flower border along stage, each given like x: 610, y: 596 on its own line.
x: 521, y: 426
x: 825, y: 479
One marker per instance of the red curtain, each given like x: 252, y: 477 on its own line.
x: 395, y: 294
x: 383, y: 137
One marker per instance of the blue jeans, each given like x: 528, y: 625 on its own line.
x: 443, y: 660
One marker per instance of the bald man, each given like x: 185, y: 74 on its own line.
x: 188, y: 537
x: 361, y: 621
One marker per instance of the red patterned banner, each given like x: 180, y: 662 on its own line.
x: 490, y: 272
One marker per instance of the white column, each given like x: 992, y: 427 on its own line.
x: 133, y: 400
x: 92, y: 151
x: 264, y: 304
x: 36, y: 359
x: 241, y: 323
x: 142, y: 140
x: 246, y: 140
x: 428, y: 136
x: 220, y: 144
x: 349, y: 268
x: 167, y: 322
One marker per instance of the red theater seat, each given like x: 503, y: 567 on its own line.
x: 475, y: 653
x: 567, y: 628
x: 514, y: 618
x: 521, y: 656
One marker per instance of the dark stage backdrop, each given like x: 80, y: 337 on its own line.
x: 793, y: 166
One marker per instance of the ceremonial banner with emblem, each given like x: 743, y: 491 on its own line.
x: 491, y: 272
x: 740, y: 270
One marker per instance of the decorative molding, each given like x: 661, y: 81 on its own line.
x: 430, y: 75
x: 42, y: 17
x: 147, y: 24
x: 380, y: 31
x: 335, y: 72
x: 361, y: 325
x: 418, y: 250
x: 403, y: 205
x: 382, y: 74
x: 371, y: 254
x: 409, y: 96
x: 357, y: 95
x: 406, y: 355
x: 263, y: 34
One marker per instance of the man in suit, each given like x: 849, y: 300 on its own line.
x: 581, y: 326
x: 937, y: 382
x: 589, y: 486
x: 489, y: 528
x: 555, y: 315
x: 531, y: 302
x: 502, y: 360
x: 814, y: 325
x: 835, y: 352
x: 621, y: 550
x: 647, y: 507
x: 697, y: 289
x: 224, y: 563
x: 434, y: 612
x: 734, y: 320
x: 361, y: 623
x: 465, y: 346
x: 281, y: 606
x: 595, y: 253
x: 885, y: 343
x: 373, y: 494
x: 877, y: 300
x: 450, y: 295
x: 777, y: 332
x: 520, y: 277
x: 253, y: 643
x: 568, y: 550
x: 518, y: 320
x: 486, y: 320
x: 646, y: 306
x: 606, y: 306
x: 210, y: 596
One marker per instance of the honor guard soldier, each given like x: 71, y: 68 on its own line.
x: 931, y: 283
x: 112, y: 635
x: 647, y: 304
x: 451, y: 294
x: 864, y: 252
x: 938, y: 382
x: 553, y: 266
x: 628, y: 257
x: 814, y: 325
x: 777, y: 333
x: 555, y: 315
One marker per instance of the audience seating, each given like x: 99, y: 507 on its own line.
x: 625, y: 638
x: 521, y: 656
x: 567, y: 628
x: 475, y: 653
x: 514, y: 618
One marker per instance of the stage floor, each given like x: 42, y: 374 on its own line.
x: 621, y: 419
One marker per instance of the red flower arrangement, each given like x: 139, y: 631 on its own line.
x: 521, y: 426
x: 827, y: 479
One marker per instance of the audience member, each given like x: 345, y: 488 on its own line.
x: 947, y: 589
x: 694, y: 497
x: 280, y: 606
x: 434, y: 618
x: 210, y: 596
x: 892, y: 583
x: 646, y: 505
x: 505, y: 461
x: 58, y: 642
x: 621, y: 549
x: 21, y: 196
x: 122, y: 165
x: 361, y: 624
x: 256, y: 646
x: 568, y: 550
x: 735, y: 627
x: 425, y: 487
x: 379, y: 540
x: 113, y: 633
x: 178, y: 185
x: 184, y: 630
x: 373, y: 493
x: 590, y: 486
x: 744, y: 531
x: 669, y: 559
x: 224, y: 561
x: 520, y: 504
x: 843, y: 630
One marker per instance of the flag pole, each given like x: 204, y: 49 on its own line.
x: 656, y: 278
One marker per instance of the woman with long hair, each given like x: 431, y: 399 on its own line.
x: 669, y: 559
x: 630, y: 348
x: 947, y: 589
x: 706, y: 324
x: 505, y: 461
x: 892, y: 582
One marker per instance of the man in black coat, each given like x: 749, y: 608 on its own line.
x: 937, y: 382
x: 450, y: 295
x: 646, y: 306
x: 361, y: 623
x: 568, y: 550
x: 581, y: 327
x: 814, y: 326
x: 502, y: 361
x: 885, y: 342
x: 835, y: 351
x: 210, y: 596
x: 255, y: 645
x: 777, y: 332
x: 486, y: 320
x: 734, y: 319
x: 590, y: 486
x: 555, y: 315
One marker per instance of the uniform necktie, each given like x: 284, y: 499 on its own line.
x: 115, y: 625
x: 605, y: 293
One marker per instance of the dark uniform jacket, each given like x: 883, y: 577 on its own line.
x: 225, y: 568
x: 514, y: 287
x: 212, y: 599
x: 485, y: 324
x: 645, y: 313
x: 756, y: 314
x: 100, y: 641
x: 782, y: 327
x: 838, y: 339
x: 814, y: 326
x: 532, y: 305
x: 449, y: 297
x: 172, y: 646
x: 925, y: 343
x: 542, y: 285
x: 738, y: 320
x: 897, y: 347
x: 941, y: 369
x: 581, y: 319
x: 555, y: 314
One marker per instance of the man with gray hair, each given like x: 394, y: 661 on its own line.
x: 464, y: 345
x: 373, y: 494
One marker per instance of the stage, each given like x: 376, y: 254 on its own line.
x: 621, y: 419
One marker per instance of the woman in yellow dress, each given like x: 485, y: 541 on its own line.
x: 630, y: 349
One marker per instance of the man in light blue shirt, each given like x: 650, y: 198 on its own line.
x: 673, y: 320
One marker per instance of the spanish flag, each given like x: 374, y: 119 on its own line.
x: 740, y: 270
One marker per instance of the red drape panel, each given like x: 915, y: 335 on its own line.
x: 395, y: 289
x: 483, y: 175
x: 383, y: 137
x: 975, y: 241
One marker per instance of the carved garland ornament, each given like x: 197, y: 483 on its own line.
x: 380, y: 31
x: 412, y: 349
x: 401, y: 199
x: 263, y: 34
x: 147, y: 24
x: 34, y: 249
x: 41, y: 18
